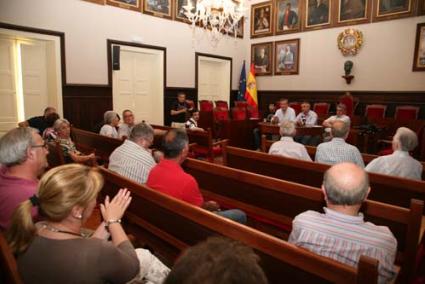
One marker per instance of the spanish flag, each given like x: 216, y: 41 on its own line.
x: 251, y: 88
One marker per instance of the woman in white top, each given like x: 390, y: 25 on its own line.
x: 111, y: 123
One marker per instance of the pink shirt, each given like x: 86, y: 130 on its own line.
x: 13, y: 191
x: 168, y: 177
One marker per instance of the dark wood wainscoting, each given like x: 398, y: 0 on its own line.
x: 391, y: 99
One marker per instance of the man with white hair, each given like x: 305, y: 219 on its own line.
x: 23, y: 157
x: 337, y: 150
x: 340, y: 232
x: 287, y: 147
x: 133, y: 159
x: 399, y: 163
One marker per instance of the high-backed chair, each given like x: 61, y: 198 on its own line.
x: 253, y: 113
x: 406, y: 113
x: 350, y: 103
x: 205, y: 105
x: 241, y: 104
x: 222, y: 105
x: 296, y: 106
x: 322, y: 109
x: 221, y: 115
x: 375, y: 112
x: 239, y: 113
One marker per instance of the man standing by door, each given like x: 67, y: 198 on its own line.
x: 179, y: 110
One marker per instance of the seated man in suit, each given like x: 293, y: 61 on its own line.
x: 337, y: 150
x: 341, y: 233
x: 133, y: 159
x: 287, y: 147
x: 169, y: 178
x: 399, y: 163
x: 39, y: 122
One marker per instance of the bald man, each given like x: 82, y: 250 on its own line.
x: 341, y: 233
x: 337, y: 150
x: 399, y: 163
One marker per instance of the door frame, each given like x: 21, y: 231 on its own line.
x: 199, y: 54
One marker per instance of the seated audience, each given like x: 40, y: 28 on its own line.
x: 111, y: 120
x: 38, y: 122
x: 341, y: 233
x: 169, y: 178
x: 399, y: 163
x: 307, y: 118
x: 124, y: 129
x: 285, y: 112
x: 179, y: 110
x: 217, y: 260
x: 133, y: 159
x: 49, y: 133
x: 337, y: 150
x: 192, y: 123
x: 287, y: 147
x: 56, y: 250
x: 70, y: 152
x: 340, y: 116
x: 23, y: 158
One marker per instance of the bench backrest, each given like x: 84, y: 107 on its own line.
x: 169, y: 226
x: 279, y: 201
x: 8, y: 268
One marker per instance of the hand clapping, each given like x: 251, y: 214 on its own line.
x: 114, y: 210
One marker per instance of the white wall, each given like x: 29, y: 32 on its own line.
x: 87, y: 26
x: 383, y: 63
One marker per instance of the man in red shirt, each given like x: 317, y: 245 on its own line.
x: 168, y: 177
x: 23, y: 156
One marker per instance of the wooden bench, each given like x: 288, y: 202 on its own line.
x: 311, y: 150
x: 168, y: 226
x: 277, y: 202
x: 8, y: 268
x: 87, y: 141
x: 386, y: 189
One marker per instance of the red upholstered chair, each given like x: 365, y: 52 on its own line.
x: 322, y: 109
x: 375, y: 112
x: 205, y: 105
x: 221, y: 115
x: 190, y: 103
x: 406, y: 113
x: 239, y: 113
x: 253, y: 113
x: 296, y: 106
x: 241, y: 104
x: 222, y: 105
x: 350, y: 103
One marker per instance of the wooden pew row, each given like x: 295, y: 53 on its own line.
x: 386, y: 189
x: 277, y: 202
x: 311, y: 150
x: 168, y: 226
x: 8, y: 267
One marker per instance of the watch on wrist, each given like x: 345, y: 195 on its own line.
x: 112, y: 221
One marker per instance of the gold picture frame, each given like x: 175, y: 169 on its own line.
x: 419, y: 55
x: 159, y: 8
x: 134, y: 5
x: 179, y: 11
x: 318, y: 14
x: 392, y: 9
x: 350, y: 41
x: 287, y: 57
x: 353, y: 12
x: 262, y: 57
x: 262, y: 19
x: 100, y: 2
x: 288, y: 16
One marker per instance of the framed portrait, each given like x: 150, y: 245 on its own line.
x: 421, y: 8
x: 287, y: 57
x: 100, y: 2
x: 179, y: 10
x: 287, y: 16
x: 318, y: 14
x: 159, y: 8
x: 392, y: 9
x: 262, y: 57
x: 352, y: 12
x: 240, y: 27
x: 262, y: 19
x: 419, y: 56
x: 135, y: 5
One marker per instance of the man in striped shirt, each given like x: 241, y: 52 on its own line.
x: 133, y: 159
x: 341, y: 233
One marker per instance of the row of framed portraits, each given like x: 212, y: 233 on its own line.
x: 289, y: 16
x: 276, y: 58
x: 167, y: 9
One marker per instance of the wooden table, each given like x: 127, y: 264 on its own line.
x: 269, y: 128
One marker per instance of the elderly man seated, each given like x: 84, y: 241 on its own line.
x: 341, y: 233
x: 341, y: 110
x: 399, y: 163
x: 287, y: 147
x: 133, y: 159
x: 307, y: 118
x: 337, y: 150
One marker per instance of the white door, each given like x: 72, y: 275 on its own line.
x: 213, y: 79
x: 138, y: 85
x: 8, y: 99
x: 34, y: 78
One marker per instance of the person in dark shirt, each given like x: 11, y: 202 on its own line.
x: 39, y: 122
x: 179, y: 110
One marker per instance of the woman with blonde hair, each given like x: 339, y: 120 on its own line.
x: 56, y: 250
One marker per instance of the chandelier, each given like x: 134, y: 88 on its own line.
x: 219, y: 16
